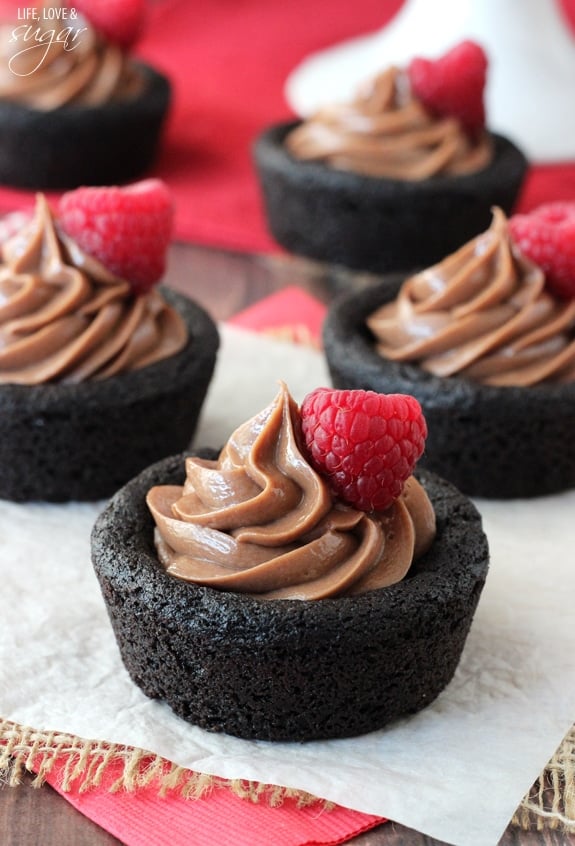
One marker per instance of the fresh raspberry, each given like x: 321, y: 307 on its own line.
x: 120, y: 21
x: 547, y: 237
x: 365, y: 444
x: 453, y: 85
x: 127, y: 229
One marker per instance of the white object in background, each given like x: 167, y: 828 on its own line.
x: 531, y: 77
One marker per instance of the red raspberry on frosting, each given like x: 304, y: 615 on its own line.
x: 120, y: 21
x: 127, y: 229
x: 364, y: 443
x: 547, y: 237
x: 453, y: 85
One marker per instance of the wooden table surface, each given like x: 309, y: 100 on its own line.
x: 224, y: 283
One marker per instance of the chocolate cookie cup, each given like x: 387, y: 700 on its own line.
x: 375, y: 224
x: 77, y: 144
x: 495, y: 442
x: 286, y: 669
x: 82, y: 441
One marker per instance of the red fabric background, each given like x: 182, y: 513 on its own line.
x: 228, y: 60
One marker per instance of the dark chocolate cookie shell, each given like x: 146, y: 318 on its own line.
x: 288, y: 670
x: 379, y: 225
x: 495, y: 442
x: 63, y: 441
x: 83, y: 145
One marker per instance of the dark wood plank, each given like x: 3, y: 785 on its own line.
x: 225, y: 283
x: 40, y: 817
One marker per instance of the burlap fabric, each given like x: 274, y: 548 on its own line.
x: 549, y: 804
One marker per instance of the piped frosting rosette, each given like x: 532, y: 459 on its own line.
x: 65, y: 317
x: 260, y: 520
x: 387, y: 132
x: 49, y: 62
x: 484, y: 313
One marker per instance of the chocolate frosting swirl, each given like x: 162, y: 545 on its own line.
x: 48, y: 63
x: 64, y: 317
x: 386, y: 132
x: 260, y: 520
x: 483, y: 313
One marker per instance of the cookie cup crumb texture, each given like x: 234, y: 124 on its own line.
x: 64, y: 441
x: 84, y: 145
x: 288, y: 670
x: 494, y: 442
x: 379, y: 225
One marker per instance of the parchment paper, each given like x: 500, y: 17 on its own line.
x: 456, y: 771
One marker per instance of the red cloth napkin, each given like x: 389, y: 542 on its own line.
x: 143, y: 818
x: 228, y: 60
x: 291, y: 313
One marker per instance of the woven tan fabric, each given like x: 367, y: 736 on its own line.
x: 549, y: 804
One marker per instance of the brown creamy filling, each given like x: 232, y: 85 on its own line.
x: 483, y: 313
x: 385, y: 132
x: 64, y: 317
x: 46, y: 64
x: 260, y: 520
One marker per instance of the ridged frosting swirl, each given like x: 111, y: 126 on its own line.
x: 64, y: 317
x: 386, y: 132
x: 48, y: 63
x: 260, y: 520
x: 482, y: 313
